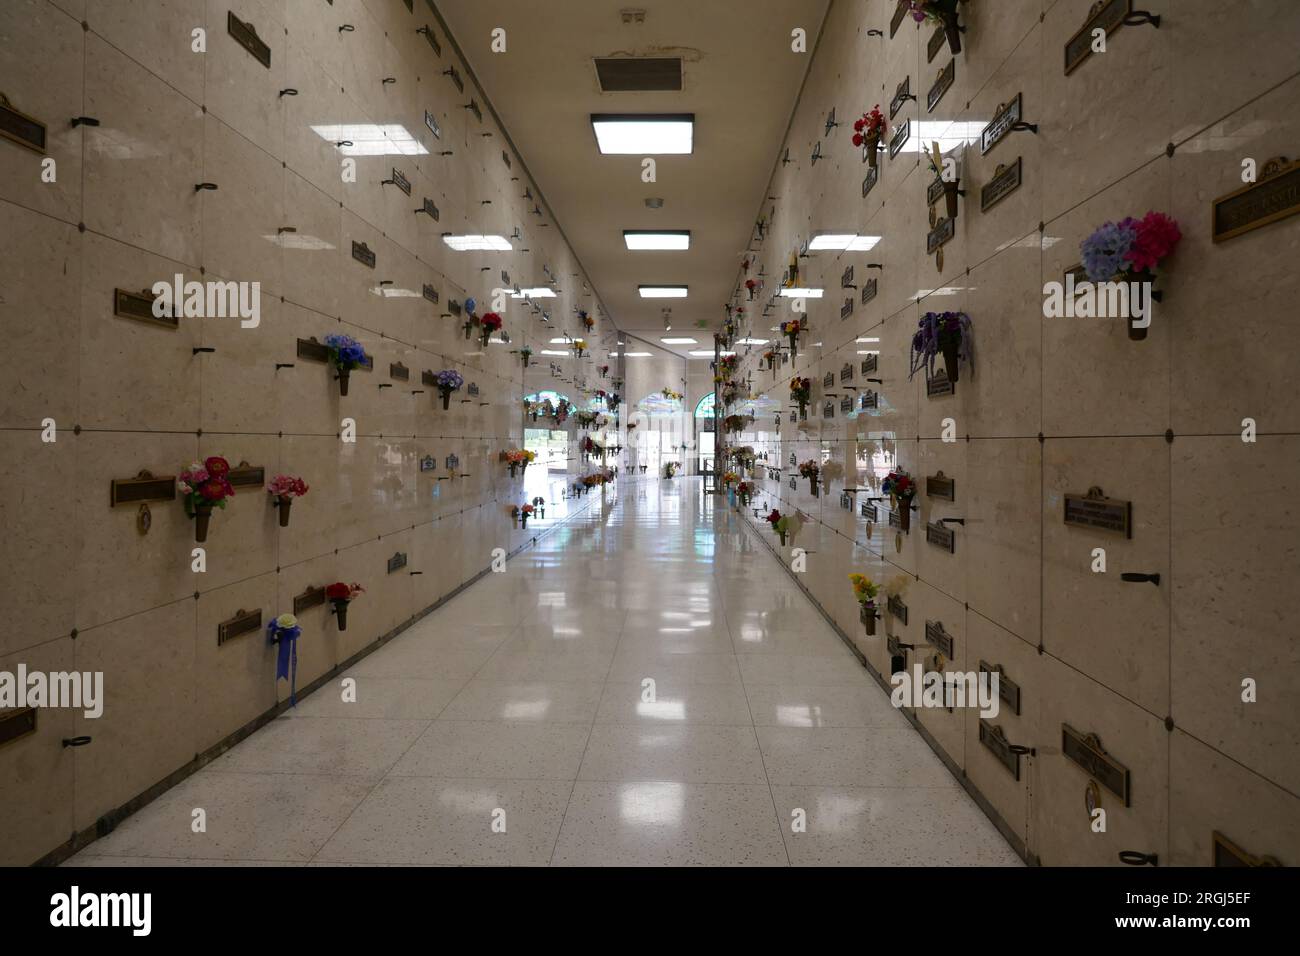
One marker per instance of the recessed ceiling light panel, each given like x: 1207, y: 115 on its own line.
x: 657, y: 239
x: 644, y: 134
x: 662, y: 291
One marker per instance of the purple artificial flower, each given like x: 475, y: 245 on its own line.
x: 1105, y: 251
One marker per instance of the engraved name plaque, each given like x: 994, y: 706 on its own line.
x: 896, y: 20
x: 846, y: 279
x: 430, y: 293
x: 246, y: 36
x: 401, y: 182
x: 143, y: 487
x: 397, y: 561
x: 1087, y: 752
x: 942, y: 84
x: 1008, y: 690
x: 899, y: 139
x: 901, y: 95
x: 896, y: 521
x: 433, y: 40
x: 17, y: 127
x: 1005, y: 181
x: 1275, y: 196
x: 308, y: 599
x: 246, y: 475
x: 993, y: 738
x: 828, y: 410
x: 934, y: 44
x: 1007, y: 116
x: 939, y: 235
x: 828, y: 380
x: 432, y: 123
x: 938, y: 385
x: 869, y: 399
x: 17, y: 723
x: 139, y: 306
x: 870, y: 180
x: 938, y: 638
x: 399, y: 371
x: 869, y: 290
x: 869, y: 364
x: 846, y: 372
x: 846, y: 403
x: 941, y: 486
x: 895, y: 606
x: 847, y: 308
x: 1227, y: 853
x: 244, y: 622
x: 363, y: 254
x: 1105, y: 15
x: 867, y: 510
x: 1095, y: 510
x: 941, y: 537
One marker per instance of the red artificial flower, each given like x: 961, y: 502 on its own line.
x: 491, y: 320
x: 299, y: 486
x: 1156, y: 237
x: 857, y: 126
x: 857, y: 139
x: 212, y: 490
x: 217, y: 467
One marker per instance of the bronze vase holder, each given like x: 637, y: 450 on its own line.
x: 341, y: 609
x: 872, y: 147
x: 343, y: 375
x: 951, y: 358
x: 868, y: 614
x: 905, y: 514
x: 284, y: 503
x: 446, y: 398
x: 202, y: 515
x: 952, y: 30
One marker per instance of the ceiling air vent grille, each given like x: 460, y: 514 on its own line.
x: 639, y: 74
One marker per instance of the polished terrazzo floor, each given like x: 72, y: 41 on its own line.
x: 520, y: 702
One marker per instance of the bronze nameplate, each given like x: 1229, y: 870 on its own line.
x: 312, y: 350
x: 363, y: 254
x: 399, y: 371
x: 846, y: 372
x: 1108, y: 15
x: 830, y: 122
x: 428, y: 378
x: 934, y: 44
x: 794, y: 483
x: 941, y: 486
x: 828, y: 410
x: 937, y: 237
x: 452, y: 462
x: 1008, y: 690
x: 401, y: 182
x: 396, y: 562
x: 998, y: 128
x: 845, y: 501
x: 473, y: 107
x: 899, y: 139
x: 455, y: 78
x: 992, y: 737
x: 453, y: 306
x: 17, y: 127
x: 899, y: 13
x: 828, y: 380
x: 1095, y: 510
x: 244, y: 622
x: 870, y: 180
x: 1275, y: 196
x: 430, y: 293
x: 869, y: 400
x: 1086, y: 751
x: 1005, y: 181
x: 1227, y: 853
x: 870, y: 363
x: 934, y: 192
x: 139, y: 306
x: 431, y: 121
x: 847, y: 308
x: 869, y: 290
x: 867, y: 510
x: 428, y: 463
x: 17, y: 723
x: 846, y: 278
x: 938, y: 385
x: 310, y: 598
x: 846, y: 403
x: 901, y: 95
x: 895, y: 520
x: 895, y: 606
x: 143, y: 487
x: 472, y: 389
x: 942, y: 84
x: 938, y: 638
x: 246, y: 36
x: 245, y: 475
x: 941, y: 537
x: 433, y: 40
x: 894, y: 648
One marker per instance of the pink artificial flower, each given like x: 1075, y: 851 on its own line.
x: 1156, y: 237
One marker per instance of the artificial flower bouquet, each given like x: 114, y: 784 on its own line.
x: 769, y: 360
x: 585, y: 419
x: 744, y: 492
x: 670, y: 468
x: 865, y: 591
x: 812, y: 471
x: 604, y: 370
x: 525, y: 513
x: 517, y: 458
x: 489, y: 323
x: 867, y: 132
x: 540, y: 504
x: 734, y: 424
x: 579, y: 346
x: 752, y: 286
x: 525, y: 353
x: 791, y: 329
x: 942, y: 333
x: 284, y: 631
x: 729, y: 478
x: 727, y: 364
x: 346, y: 354
x: 448, y: 380
x: 203, y: 486
x: 283, y: 489
x: 587, y: 321
x: 1129, y: 251
x: 942, y: 12
x: 672, y: 396
x: 801, y: 392
x: 341, y: 595
x: 901, y: 488
x: 781, y: 526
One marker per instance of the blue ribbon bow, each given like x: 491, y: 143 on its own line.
x: 286, y: 664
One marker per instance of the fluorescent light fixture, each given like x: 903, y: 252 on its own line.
x: 293, y: 240
x: 662, y: 291
x: 949, y: 134
x: 802, y: 293
x: 644, y: 134
x: 478, y: 243
x: 369, y: 139
x: 751, y: 341
x: 650, y: 239
x: 706, y: 353
x: 630, y: 355
x: 553, y: 352
x: 867, y: 340
x: 540, y: 293
x: 682, y: 341
x: 842, y: 241
x: 563, y: 341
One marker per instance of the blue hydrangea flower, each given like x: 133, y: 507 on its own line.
x: 1104, y: 251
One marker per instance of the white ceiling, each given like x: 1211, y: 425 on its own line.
x: 740, y: 79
